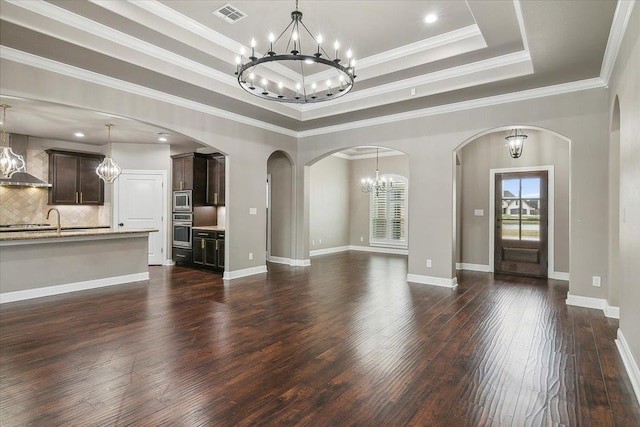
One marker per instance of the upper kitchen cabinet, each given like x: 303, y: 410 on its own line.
x: 190, y: 173
x: 215, y: 179
x: 74, y: 178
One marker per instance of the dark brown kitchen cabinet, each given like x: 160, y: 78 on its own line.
x: 74, y: 179
x: 190, y: 173
x: 215, y: 180
x: 208, y: 249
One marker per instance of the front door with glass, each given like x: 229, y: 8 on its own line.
x: 521, y: 207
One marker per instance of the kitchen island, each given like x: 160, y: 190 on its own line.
x: 41, y: 263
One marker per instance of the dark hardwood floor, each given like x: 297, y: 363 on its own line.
x: 346, y: 341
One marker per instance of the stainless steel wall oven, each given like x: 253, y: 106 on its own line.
x: 182, y: 224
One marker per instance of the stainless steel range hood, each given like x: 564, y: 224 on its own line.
x: 19, y: 145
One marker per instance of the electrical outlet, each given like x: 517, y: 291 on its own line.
x: 428, y: 263
x: 596, y: 281
x: 361, y: 238
x: 313, y: 243
x: 319, y: 241
x: 250, y: 256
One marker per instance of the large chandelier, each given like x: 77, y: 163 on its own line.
x: 515, y: 142
x: 322, y: 76
x: 10, y: 162
x: 376, y: 185
x: 108, y: 170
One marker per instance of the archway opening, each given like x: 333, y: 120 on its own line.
x: 488, y: 235
x: 280, y: 187
x: 614, y: 206
x: 347, y: 214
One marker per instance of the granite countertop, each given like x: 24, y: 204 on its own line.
x: 38, y: 227
x: 209, y: 228
x: 75, y: 233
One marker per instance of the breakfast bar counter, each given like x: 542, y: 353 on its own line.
x: 42, y: 263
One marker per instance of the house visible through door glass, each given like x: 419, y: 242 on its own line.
x: 521, y: 209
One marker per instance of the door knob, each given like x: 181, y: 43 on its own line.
x: 121, y: 224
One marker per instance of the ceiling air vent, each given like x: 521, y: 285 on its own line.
x: 229, y: 14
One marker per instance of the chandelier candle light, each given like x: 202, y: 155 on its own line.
x: 377, y: 185
x: 108, y: 170
x: 311, y: 67
x: 10, y: 162
x: 515, y: 142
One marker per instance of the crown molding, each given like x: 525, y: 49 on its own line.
x: 414, y: 50
x: 523, y: 33
x: 345, y: 156
x: 83, y: 24
x: 621, y: 19
x: 10, y: 54
x: 176, y: 18
x: 87, y: 25
x: 505, y: 66
x: 461, y: 106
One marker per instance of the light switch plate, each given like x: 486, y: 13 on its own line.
x: 478, y: 212
x: 253, y: 211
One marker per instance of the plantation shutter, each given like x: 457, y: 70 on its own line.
x: 379, y: 216
x: 388, y: 214
x: 396, y: 212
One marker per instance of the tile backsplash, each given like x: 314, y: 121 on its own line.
x: 29, y: 205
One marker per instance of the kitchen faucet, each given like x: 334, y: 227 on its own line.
x: 58, y: 212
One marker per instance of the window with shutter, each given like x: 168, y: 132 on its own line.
x: 388, y: 212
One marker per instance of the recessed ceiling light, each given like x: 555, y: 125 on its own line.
x: 431, y: 18
x: 79, y: 134
x: 162, y: 137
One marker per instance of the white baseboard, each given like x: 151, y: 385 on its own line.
x: 379, y: 250
x: 629, y: 363
x: 169, y: 262
x: 559, y: 275
x: 473, y: 267
x: 431, y: 280
x: 71, y: 287
x: 597, y: 303
x: 611, y: 311
x: 375, y: 249
x: 229, y: 275
x: 280, y: 260
x: 328, y: 251
x: 301, y: 262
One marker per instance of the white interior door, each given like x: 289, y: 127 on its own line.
x: 139, y: 199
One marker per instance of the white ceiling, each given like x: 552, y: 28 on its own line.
x: 179, y: 49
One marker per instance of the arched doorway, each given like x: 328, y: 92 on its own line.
x: 280, y: 209
x: 614, y: 206
x: 482, y: 221
x: 344, y: 217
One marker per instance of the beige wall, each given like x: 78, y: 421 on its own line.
x: 329, y: 203
x: 282, y: 216
x: 626, y: 85
x: 430, y: 142
x: 489, y: 152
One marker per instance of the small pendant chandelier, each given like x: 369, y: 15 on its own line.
x: 108, y: 170
x: 10, y: 162
x: 515, y: 142
x: 377, y: 185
